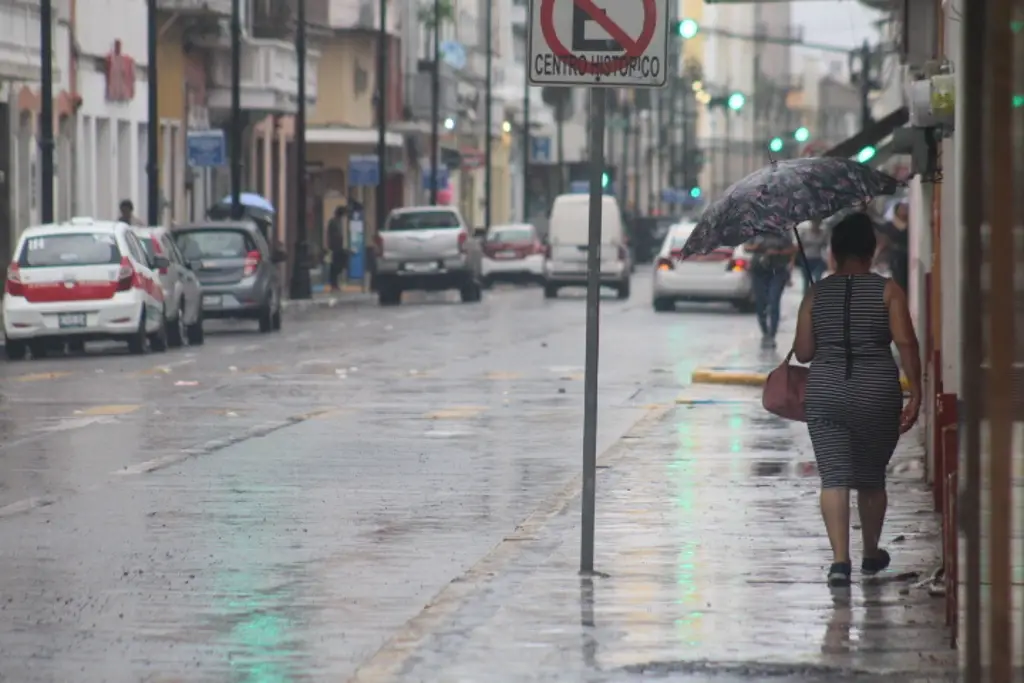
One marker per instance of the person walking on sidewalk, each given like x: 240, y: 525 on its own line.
x: 771, y: 263
x: 854, y: 402
x: 815, y: 241
x: 336, y: 243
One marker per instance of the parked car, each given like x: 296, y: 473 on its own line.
x: 722, y: 275
x: 426, y: 248
x: 565, y: 262
x: 237, y: 270
x: 512, y: 253
x: 79, y: 281
x: 183, y: 297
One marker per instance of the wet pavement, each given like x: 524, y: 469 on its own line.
x: 282, y: 507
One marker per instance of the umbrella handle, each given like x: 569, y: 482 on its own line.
x: 803, y: 256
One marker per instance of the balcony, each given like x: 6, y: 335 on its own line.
x: 19, y: 41
x: 269, y: 80
x: 216, y: 8
x: 362, y: 15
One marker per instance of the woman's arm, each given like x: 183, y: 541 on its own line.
x: 803, y: 344
x: 901, y: 326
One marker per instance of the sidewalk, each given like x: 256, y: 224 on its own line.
x: 347, y: 296
x: 709, y: 534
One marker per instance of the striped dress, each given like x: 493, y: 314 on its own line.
x: 853, y: 396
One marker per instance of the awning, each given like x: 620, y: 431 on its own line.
x: 870, y: 136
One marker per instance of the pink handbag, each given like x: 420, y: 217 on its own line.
x: 784, y: 391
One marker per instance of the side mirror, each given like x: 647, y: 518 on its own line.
x: 161, y: 262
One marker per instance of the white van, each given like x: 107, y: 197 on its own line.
x: 565, y: 262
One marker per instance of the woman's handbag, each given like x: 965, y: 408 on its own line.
x: 784, y: 390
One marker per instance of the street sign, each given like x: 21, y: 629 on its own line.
x: 606, y: 43
x: 363, y: 170
x: 540, y: 150
x: 206, y: 148
x: 442, y: 178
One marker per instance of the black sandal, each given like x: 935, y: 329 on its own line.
x: 839, y: 575
x: 873, y: 565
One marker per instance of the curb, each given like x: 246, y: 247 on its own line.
x: 328, y: 302
x: 744, y: 379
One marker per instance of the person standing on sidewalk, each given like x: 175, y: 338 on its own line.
x: 815, y: 241
x: 127, y: 214
x: 336, y: 242
x: 854, y: 402
x: 771, y: 264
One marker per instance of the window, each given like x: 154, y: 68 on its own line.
x: 516, y: 234
x: 423, y: 220
x: 83, y: 249
x: 213, y: 244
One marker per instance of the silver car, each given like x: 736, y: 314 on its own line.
x: 426, y: 248
x: 183, y: 302
x: 721, y: 276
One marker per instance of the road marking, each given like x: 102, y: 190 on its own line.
x: 42, y: 376
x: 163, y: 368
x: 25, y: 505
x: 262, y: 369
x: 456, y: 413
x: 108, y: 410
x: 502, y: 376
x: 252, y: 347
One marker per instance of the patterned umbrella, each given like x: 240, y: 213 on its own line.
x: 783, y: 194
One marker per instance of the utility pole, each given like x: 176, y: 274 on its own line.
x: 46, y: 108
x: 527, y: 139
x: 236, y: 109
x: 636, y: 160
x: 688, y: 129
x: 152, y: 142
x: 624, y: 182
x: 382, y: 114
x: 435, y: 104
x: 488, y: 116
x: 301, y: 286
x: 865, y: 83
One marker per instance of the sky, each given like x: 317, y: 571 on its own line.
x: 844, y: 23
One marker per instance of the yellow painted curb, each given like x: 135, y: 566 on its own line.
x: 745, y: 379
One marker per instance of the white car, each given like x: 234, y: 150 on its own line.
x: 80, y: 281
x: 721, y: 276
x: 568, y: 237
x: 512, y: 253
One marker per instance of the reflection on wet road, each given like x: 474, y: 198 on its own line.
x: 275, y: 507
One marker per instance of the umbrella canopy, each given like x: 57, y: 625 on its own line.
x: 253, y: 201
x: 783, y: 194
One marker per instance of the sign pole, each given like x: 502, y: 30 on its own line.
x: 597, y: 126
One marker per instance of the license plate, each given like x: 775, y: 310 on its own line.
x: 211, y: 300
x: 71, y: 320
x: 421, y: 267
x: 506, y: 254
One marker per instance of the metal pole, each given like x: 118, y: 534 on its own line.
x: 560, y: 134
x: 302, y: 287
x: 382, y: 115
x: 435, y: 104
x: 636, y: 163
x: 598, y: 100
x: 153, y: 141
x: 488, y: 122
x: 236, y: 109
x: 971, y: 172
x: 46, y: 143
x: 624, y: 173
x: 865, y: 85
x: 688, y: 180
x: 527, y: 139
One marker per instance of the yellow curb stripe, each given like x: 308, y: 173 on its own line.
x: 745, y: 379
x: 42, y: 376
x: 456, y: 413
x: 108, y: 410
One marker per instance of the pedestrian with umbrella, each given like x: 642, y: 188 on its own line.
x: 851, y: 397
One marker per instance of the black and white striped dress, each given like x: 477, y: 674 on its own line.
x: 853, y: 397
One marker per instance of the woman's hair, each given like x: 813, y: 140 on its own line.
x: 854, y: 238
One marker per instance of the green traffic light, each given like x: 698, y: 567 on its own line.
x: 801, y: 134
x: 687, y: 28
x: 736, y: 101
x: 695, y: 192
x: 866, y: 154
x: 1018, y: 101
x: 605, y: 180
x: 775, y: 145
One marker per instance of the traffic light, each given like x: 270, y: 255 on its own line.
x: 736, y: 101
x: 687, y: 28
x: 866, y: 154
x: 1018, y: 101
x: 801, y: 134
x: 695, y: 193
x: 776, y: 144
x: 605, y: 179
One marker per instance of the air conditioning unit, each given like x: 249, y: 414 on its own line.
x: 931, y: 97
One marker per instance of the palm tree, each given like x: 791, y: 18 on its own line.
x: 425, y: 14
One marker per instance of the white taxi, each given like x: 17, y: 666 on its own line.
x: 79, y: 281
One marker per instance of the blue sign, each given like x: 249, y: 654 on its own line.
x: 363, y: 170
x: 442, y: 178
x: 206, y: 148
x: 540, y: 150
x: 453, y: 54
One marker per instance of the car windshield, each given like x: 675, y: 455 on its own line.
x: 510, y: 235
x: 423, y: 220
x: 213, y: 244
x: 79, y: 249
x: 680, y: 235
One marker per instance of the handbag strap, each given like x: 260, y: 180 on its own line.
x: 789, y: 356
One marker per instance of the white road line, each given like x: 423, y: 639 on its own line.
x: 25, y: 505
x: 252, y: 347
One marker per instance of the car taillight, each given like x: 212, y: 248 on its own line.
x: 462, y: 241
x: 737, y: 265
x: 252, y: 262
x: 378, y: 245
x: 14, y: 286
x: 125, y: 275
x: 665, y: 264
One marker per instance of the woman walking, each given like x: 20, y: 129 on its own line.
x: 854, y: 403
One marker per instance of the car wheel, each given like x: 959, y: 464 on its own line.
x: 664, y: 305
x: 158, y: 340
x: 195, y: 334
x: 550, y: 291
x: 38, y: 349
x: 176, y: 333
x: 138, y: 343
x: 389, y: 296
x: 471, y: 293
x: 15, y: 350
x: 488, y: 283
x: 623, y: 290
x: 266, y: 319
x: 76, y: 346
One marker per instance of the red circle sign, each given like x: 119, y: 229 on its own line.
x: 633, y: 48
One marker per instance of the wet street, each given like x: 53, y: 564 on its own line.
x: 271, y: 508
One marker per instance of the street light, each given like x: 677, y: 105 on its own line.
x: 736, y: 101
x: 775, y: 144
x: 801, y: 134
